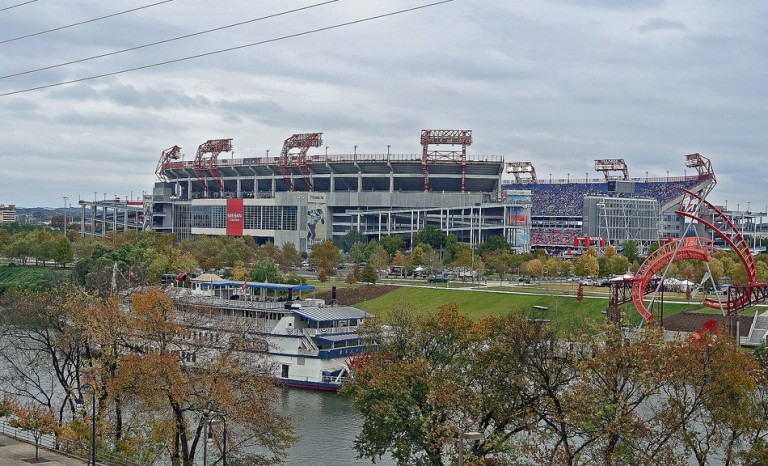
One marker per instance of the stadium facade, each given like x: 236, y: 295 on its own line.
x: 305, y: 198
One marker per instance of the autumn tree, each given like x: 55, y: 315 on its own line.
x: 35, y: 419
x: 289, y: 256
x: 439, y: 374
x: 534, y: 268
x: 711, y: 398
x: 378, y: 259
x: 181, y: 395
x: 586, y: 265
x: 500, y: 262
x: 325, y: 257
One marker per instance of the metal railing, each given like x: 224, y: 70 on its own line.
x: 48, y: 442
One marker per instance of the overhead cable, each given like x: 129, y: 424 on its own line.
x: 164, y: 41
x: 5, y: 41
x: 230, y: 49
x: 17, y: 5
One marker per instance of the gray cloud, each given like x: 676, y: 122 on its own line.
x: 661, y: 24
x: 557, y: 83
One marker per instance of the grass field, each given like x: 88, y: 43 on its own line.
x: 564, y: 310
x: 31, y: 278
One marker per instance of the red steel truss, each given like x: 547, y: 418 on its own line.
x: 612, y: 165
x: 204, y: 167
x: 452, y: 137
x: 286, y: 160
x: 172, y: 153
x: 521, y: 170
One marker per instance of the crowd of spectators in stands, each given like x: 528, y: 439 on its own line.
x: 566, y: 199
x: 553, y: 236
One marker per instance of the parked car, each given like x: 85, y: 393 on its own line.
x: 437, y: 280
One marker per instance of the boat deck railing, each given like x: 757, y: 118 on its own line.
x: 213, y: 301
x: 329, y: 330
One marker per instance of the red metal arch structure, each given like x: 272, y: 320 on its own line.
x: 686, y: 248
x: 695, y: 207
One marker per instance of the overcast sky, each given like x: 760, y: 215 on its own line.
x: 558, y: 83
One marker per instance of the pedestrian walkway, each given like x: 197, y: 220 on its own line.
x: 17, y: 453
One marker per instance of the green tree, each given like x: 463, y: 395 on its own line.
x: 62, y: 252
x: 629, y: 250
x: 357, y: 253
x: 392, y: 244
x: 350, y: 238
x: 266, y: 270
x: 493, y: 243
x: 369, y: 275
x: 378, y: 259
x: 652, y: 248
x: 451, y: 248
x: 430, y: 235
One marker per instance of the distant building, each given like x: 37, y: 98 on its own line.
x: 7, y: 214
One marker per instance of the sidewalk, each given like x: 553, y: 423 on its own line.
x: 17, y: 453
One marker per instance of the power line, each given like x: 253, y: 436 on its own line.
x: 164, y: 41
x: 230, y: 49
x: 17, y: 5
x: 81, y: 22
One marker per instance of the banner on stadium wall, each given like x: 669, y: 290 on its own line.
x: 234, y: 217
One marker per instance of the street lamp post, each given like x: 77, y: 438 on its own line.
x: 65, y: 214
x: 80, y: 403
x: 472, y: 436
x: 173, y: 213
x: 213, y: 416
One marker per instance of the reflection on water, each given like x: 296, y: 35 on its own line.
x: 327, y: 425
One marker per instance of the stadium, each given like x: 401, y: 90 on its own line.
x: 306, y: 195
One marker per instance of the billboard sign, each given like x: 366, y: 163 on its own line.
x: 234, y: 217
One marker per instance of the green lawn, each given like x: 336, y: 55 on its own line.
x: 566, y: 311
x: 30, y: 277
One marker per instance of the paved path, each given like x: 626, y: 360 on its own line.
x: 14, y: 453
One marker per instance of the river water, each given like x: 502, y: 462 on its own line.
x: 327, y: 425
